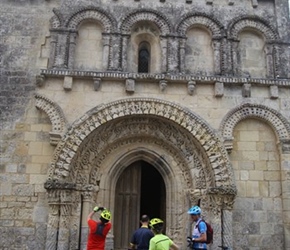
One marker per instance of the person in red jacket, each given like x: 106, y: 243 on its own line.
x: 98, y: 229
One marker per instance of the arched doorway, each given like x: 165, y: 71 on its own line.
x: 140, y: 190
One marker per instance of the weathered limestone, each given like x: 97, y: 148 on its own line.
x: 211, y: 115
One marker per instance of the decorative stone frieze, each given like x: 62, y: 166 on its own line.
x: 280, y: 125
x: 169, y: 77
x: 217, y: 156
x: 55, y: 115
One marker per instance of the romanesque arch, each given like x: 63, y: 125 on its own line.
x: 146, y: 15
x: 279, y: 124
x: 92, y: 13
x: 98, y: 146
x: 254, y: 22
x: 214, y: 26
x: 56, y: 116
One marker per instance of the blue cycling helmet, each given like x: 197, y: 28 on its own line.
x: 194, y: 210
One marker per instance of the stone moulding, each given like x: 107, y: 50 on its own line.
x: 193, y: 19
x: 146, y: 15
x: 279, y: 123
x: 197, y: 127
x: 170, y: 77
x: 256, y: 22
x: 55, y: 115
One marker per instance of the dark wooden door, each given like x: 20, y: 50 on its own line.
x: 127, y: 206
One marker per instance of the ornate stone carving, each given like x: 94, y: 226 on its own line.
x: 55, y: 115
x: 192, y: 123
x: 108, y: 21
x: 149, y: 15
x: 215, y: 27
x: 238, y: 24
x: 271, y: 116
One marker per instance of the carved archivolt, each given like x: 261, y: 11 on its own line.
x: 146, y: 15
x: 200, y: 131
x: 54, y: 113
x: 253, y: 22
x: 279, y: 124
x: 107, y: 21
x: 201, y: 19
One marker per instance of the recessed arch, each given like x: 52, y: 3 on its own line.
x: 146, y: 15
x: 91, y: 13
x: 196, y: 127
x: 255, y: 23
x: 279, y: 124
x: 200, y: 19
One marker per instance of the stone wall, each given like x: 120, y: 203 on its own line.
x: 52, y: 49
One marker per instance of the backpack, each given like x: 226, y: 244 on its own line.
x: 209, y: 232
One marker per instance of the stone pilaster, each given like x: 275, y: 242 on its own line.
x: 269, y: 60
x: 106, y: 51
x: 72, y: 49
x: 217, y: 56
x: 164, y: 62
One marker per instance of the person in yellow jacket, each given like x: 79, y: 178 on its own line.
x: 160, y: 241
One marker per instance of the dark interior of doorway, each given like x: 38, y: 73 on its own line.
x: 153, y: 196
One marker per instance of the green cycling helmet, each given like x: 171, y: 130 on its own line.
x: 155, y: 222
x: 106, y: 214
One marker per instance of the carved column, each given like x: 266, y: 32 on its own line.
x: 61, y: 51
x: 86, y: 205
x: 64, y: 222
x: 164, y: 58
x: 115, y: 52
x: 106, y: 51
x: 182, y: 43
x: 72, y: 49
x: 234, y: 57
x: 285, y: 184
x: 217, y: 56
x: 53, y: 44
x: 125, y: 42
x: 74, y: 228
x: 53, y: 220
x: 173, y: 45
x: 276, y: 60
x: 269, y: 60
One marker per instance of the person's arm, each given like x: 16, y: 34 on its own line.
x: 90, y: 215
x: 174, y: 247
x: 202, y: 238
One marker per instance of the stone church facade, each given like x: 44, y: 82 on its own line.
x: 145, y: 107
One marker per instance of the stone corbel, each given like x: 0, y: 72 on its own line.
x: 67, y: 83
x: 40, y: 79
x: 130, y: 85
x: 285, y: 146
x: 255, y: 3
x: 274, y: 92
x: 228, y: 143
x: 191, y: 87
x: 219, y: 89
x: 231, y: 2
x: 97, y: 83
x: 162, y: 85
x: 246, y: 92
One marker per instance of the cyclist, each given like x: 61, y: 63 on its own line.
x: 160, y: 241
x: 199, y: 230
x: 98, y: 229
x: 141, y: 237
